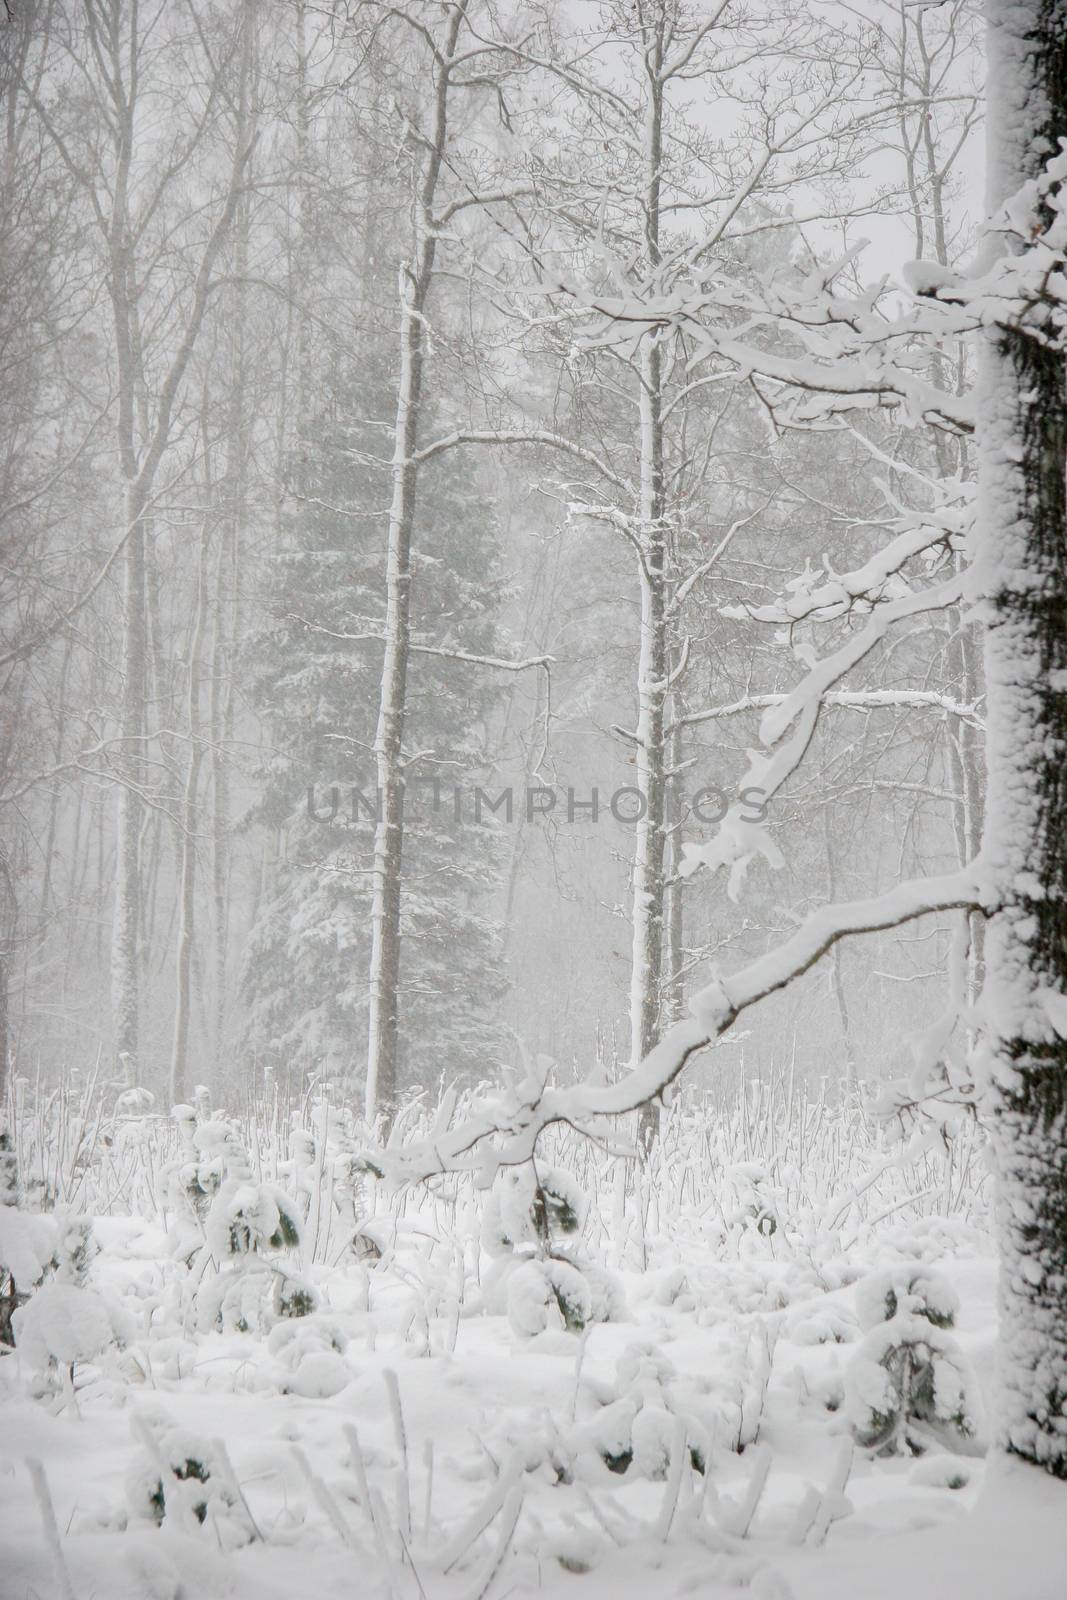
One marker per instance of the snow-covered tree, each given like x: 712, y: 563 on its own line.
x: 856, y: 356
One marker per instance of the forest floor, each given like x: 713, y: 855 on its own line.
x: 414, y: 1438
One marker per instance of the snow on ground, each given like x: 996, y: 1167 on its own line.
x: 406, y: 1439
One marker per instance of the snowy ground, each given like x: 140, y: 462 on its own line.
x: 410, y: 1437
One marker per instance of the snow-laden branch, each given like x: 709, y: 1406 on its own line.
x: 505, y: 1132
x: 738, y: 838
x: 682, y: 593
x: 826, y: 595
x: 852, y: 356
x: 532, y: 436
x: 831, y: 669
x: 844, y: 699
x: 446, y: 652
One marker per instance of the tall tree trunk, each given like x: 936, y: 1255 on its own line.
x: 187, y: 837
x: 416, y: 277
x: 1022, y: 574
x: 125, y: 959
x: 648, y: 893
x: 227, y: 611
x: 674, y: 919
x: 837, y: 975
x: 53, y: 803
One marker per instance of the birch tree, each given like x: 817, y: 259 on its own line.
x: 642, y: 188
x: 429, y: 147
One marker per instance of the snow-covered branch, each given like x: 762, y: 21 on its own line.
x: 847, y: 700
x: 506, y: 1131
x: 531, y: 436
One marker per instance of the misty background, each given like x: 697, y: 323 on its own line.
x: 213, y: 249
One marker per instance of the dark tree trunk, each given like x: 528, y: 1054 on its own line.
x: 1022, y: 573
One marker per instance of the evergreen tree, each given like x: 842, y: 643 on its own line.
x: 315, y: 668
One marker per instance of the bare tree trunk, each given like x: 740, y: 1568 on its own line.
x: 227, y: 608
x: 187, y: 839
x: 53, y: 803
x: 8, y: 925
x: 648, y: 891
x: 837, y: 977
x: 1022, y: 571
x: 125, y: 955
x: 416, y: 277
x: 674, y: 922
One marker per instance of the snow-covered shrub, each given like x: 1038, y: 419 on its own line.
x: 27, y: 1243
x: 75, y: 1249
x: 67, y: 1323
x: 250, y: 1219
x: 907, y: 1386
x: 547, y: 1293
x: 539, y: 1207
x: 293, y: 1295
x: 643, y: 1418
x: 186, y: 1481
x: 824, y: 1322
x: 246, y: 1225
x: 928, y: 1294
x: 192, y: 1182
x: 225, y: 1219
x: 758, y: 1201
x: 529, y: 1219
x: 62, y: 1326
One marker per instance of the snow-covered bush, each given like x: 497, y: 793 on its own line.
x: 907, y: 1385
x: 246, y: 1226
x: 27, y: 1243
x: 66, y: 1323
x: 537, y: 1279
x: 539, y: 1206
x: 227, y: 1221
x: 310, y: 1355
x: 643, y: 1418
x: 186, y: 1481
x: 191, y: 1183
x: 929, y: 1295
x: 62, y: 1326
x: 758, y: 1202
x: 547, y: 1293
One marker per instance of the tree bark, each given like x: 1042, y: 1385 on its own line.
x: 649, y: 888
x: 1021, y: 573
x: 187, y: 836
x: 125, y: 962
x: 416, y: 277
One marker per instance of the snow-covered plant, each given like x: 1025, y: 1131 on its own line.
x: 225, y: 1219
x: 66, y: 1323
x: 758, y: 1202
x: 63, y: 1327
x: 187, y: 1482
x: 75, y: 1249
x: 907, y: 1385
x: 531, y: 1217
x: 247, y: 1226
x: 547, y: 1293
x: 192, y: 1182
x: 539, y: 1206
x: 644, y: 1417
x: 27, y: 1243
x: 310, y: 1353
